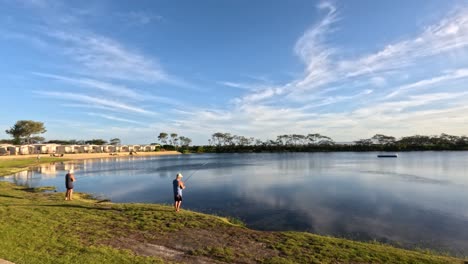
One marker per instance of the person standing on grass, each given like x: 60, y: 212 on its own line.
x: 69, y: 179
x: 178, y: 186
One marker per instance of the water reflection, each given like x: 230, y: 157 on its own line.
x: 417, y: 200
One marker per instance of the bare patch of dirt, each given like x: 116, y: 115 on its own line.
x: 139, y: 246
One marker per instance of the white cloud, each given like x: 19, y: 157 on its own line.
x: 314, y: 52
x: 139, y: 18
x: 378, y: 81
x: 262, y: 94
x: 243, y: 86
x: 453, y: 75
x: 338, y: 94
x: 449, y: 35
x: 113, y: 89
x: 274, y: 110
x: 110, y: 104
x: 108, y: 58
x: 114, y: 118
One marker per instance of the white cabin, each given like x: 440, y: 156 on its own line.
x: 125, y: 148
x: 64, y: 149
x: 148, y: 148
x: 96, y: 148
x: 13, y: 150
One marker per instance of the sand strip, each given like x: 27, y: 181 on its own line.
x: 82, y: 156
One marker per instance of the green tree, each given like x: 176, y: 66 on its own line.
x: 163, y: 137
x: 363, y: 142
x: 174, y: 139
x: 383, y: 139
x: 115, y: 141
x: 185, y: 141
x: 282, y: 139
x: 218, y: 138
x: 24, y: 129
x: 96, y: 142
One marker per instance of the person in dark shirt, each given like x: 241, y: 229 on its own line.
x: 178, y: 186
x: 69, y: 179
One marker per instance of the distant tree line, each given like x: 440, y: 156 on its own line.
x: 173, y: 141
x: 84, y: 142
x: 28, y: 131
x: 227, y: 142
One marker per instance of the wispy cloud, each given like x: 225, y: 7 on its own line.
x: 446, y: 36
x: 325, y: 67
x: 243, y: 86
x: 275, y: 109
x: 313, y: 50
x: 114, y: 118
x: 119, y: 106
x: 105, y: 57
x: 112, y: 89
x: 399, y: 106
x: 139, y: 18
x: 453, y: 75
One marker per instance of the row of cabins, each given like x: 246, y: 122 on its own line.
x: 66, y: 149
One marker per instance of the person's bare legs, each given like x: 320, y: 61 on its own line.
x: 67, y: 194
x: 178, y: 206
x: 71, y: 195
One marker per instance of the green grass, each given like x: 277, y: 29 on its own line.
x: 10, y: 166
x: 40, y: 227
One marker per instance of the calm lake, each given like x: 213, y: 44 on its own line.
x: 419, y: 199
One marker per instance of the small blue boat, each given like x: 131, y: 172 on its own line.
x: 387, y: 156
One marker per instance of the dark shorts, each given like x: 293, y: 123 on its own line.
x: 177, y: 198
x: 69, y: 186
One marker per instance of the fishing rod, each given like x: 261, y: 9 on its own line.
x: 195, y: 171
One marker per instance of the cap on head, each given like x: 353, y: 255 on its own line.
x: 70, y: 171
x: 179, y: 175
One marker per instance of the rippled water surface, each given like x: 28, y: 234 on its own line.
x: 419, y: 199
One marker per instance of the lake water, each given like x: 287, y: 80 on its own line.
x: 419, y: 199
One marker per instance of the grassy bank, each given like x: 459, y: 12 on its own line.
x: 38, y: 227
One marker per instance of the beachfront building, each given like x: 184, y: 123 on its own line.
x: 44, y: 148
x: 84, y: 149
x: 107, y: 148
x: 96, y: 148
x: 125, y: 148
x: 76, y: 148
x: 13, y: 150
x: 4, y: 150
x: 40, y: 149
x: 136, y: 148
x: 148, y: 148
x: 9, y: 149
x: 63, y: 149
x: 26, y: 149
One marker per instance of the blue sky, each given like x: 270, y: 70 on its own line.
x: 126, y: 69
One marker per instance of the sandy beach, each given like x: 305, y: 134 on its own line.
x: 82, y: 156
